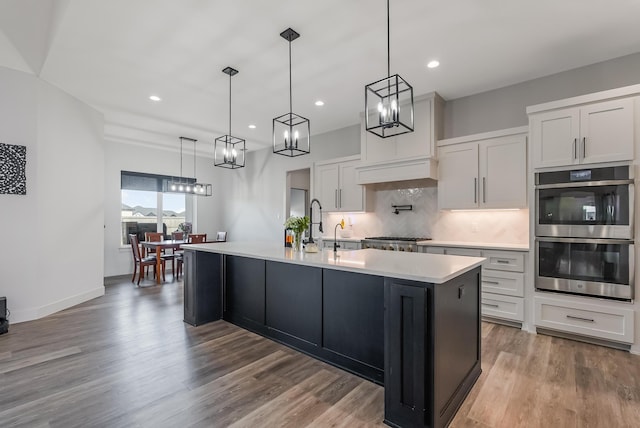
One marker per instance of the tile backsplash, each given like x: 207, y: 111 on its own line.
x: 425, y: 220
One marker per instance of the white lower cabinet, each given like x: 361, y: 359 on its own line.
x: 601, y: 322
x: 344, y: 245
x: 504, y: 307
x: 503, y: 280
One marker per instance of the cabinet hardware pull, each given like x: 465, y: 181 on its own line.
x: 335, y: 198
x: 580, y: 318
x: 475, y: 190
x: 584, y: 147
x: 491, y: 305
x: 575, y: 148
x: 490, y: 282
x: 484, y: 190
x: 340, y: 198
x: 502, y: 261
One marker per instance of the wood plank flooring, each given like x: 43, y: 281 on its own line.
x: 127, y: 360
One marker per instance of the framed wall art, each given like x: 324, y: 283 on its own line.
x: 13, y: 166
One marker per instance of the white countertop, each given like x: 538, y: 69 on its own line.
x: 479, y: 245
x: 340, y: 238
x: 434, y: 268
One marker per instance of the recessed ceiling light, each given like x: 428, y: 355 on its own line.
x: 433, y: 64
x: 155, y: 98
x: 319, y: 103
x: 252, y: 126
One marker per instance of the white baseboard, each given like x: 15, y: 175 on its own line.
x: 635, y: 349
x: 30, y: 314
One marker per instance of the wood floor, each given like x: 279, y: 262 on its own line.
x: 128, y: 360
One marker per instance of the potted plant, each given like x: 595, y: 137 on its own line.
x: 297, y: 225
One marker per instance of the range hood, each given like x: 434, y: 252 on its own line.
x: 421, y: 170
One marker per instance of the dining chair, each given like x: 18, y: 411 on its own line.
x: 159, y: 237
x: 177, y: 235
x: 141, y: 262
x: 221, y: 237
x: 193, y: 238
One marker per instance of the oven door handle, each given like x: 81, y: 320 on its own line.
x: 586, y: 240
x: 585, y: 184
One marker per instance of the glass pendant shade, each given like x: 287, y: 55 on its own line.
x: 291, y: 132
x: 389, y: 107
x: 187, y: 185
x: 228, y: 151
x: 388, y: 103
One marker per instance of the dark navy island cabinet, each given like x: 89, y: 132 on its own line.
x: 420, y: 340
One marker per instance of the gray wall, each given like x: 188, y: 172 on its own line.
x: 506, y: 107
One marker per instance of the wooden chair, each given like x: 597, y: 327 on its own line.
x: 177, y: 236
x: 141, y: 262
x: 158, y: 237
x: 194, y: 238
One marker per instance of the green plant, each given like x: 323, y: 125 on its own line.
x: 297, y: 224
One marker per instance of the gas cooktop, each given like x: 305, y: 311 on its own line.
x: 396, y: 238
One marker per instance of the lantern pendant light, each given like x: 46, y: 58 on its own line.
x: 291, y: 132
x: 186, y: 185
x: 229, y: 150
x: 388, y: 109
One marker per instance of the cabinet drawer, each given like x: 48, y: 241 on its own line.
x: 433, y: 250
x: 463, y: 252
x: 504, y: 260
x: 349, y: 245
x: 505, y: 307
x: 500, y: 282
x: 590, y: 320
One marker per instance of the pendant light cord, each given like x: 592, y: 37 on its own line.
x: 388, y: 43
x: 181, y: 139
x: 290, y: 86
x: 194, y: 160
x: 229, y: 104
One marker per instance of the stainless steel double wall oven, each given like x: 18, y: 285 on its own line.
x: 584, y: 232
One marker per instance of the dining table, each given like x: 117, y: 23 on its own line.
x: 173, y: 244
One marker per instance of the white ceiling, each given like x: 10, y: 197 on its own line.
x: 114, y: 54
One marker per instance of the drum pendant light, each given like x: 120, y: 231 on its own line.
x: 187, y: 185
x: 388, y: 103
x: 291, y: 132
x: 228, y: 151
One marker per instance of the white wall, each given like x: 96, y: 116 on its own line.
x: 506, y: 107
x: 254, y: 205
x: 144, y: 158
x: 55, y: 260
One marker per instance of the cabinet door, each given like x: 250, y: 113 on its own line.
x: 503, y: 172
x: 326, y: 186
x: 554, y: 136
x: 350, y: 194
x: 458, y: 176
x: 245, y: 291
x: 417, y: 143
x: 606, y: 131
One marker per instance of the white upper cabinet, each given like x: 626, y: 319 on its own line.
x: 598, y: 132
x: 483, y: 171
x: 335, y: 185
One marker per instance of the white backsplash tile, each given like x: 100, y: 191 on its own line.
x: 425, y: 220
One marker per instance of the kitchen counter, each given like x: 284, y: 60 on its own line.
x: 408, y: 321
x: 478, y: 245
x: 339, y: 238
x: 432, y: 268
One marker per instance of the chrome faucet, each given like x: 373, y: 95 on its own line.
x: 310, y: 241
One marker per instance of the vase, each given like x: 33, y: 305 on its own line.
x: 297, y: 240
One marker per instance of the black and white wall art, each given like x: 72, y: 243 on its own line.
x: 13, y: 164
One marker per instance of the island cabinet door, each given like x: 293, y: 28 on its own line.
x: 202, y: 287
x: 294, y: 304
x: 406, y: 359
x: 245, y: 292
x: 353, y: 320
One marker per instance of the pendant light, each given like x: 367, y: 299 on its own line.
x: 388, y: 109
x: 291, y: 132
x: 228, y: 151
x: 187, y: 185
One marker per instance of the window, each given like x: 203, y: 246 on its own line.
x: 146, y: 209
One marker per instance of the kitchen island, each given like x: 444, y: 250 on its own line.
x: 408, y: 321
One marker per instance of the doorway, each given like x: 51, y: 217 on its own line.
x: 298, y: 189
